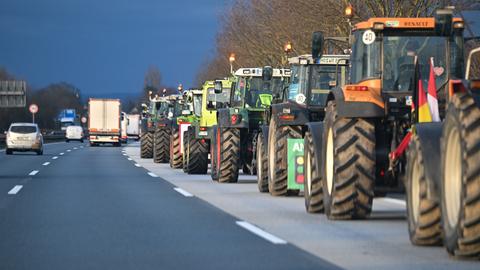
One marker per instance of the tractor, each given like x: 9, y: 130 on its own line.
x: 239, y: 120
x: 443, y: 205
x: 150, y: 116
x: 196, y: 143
x: 180, y: 124
x: 358, y: 151
x: 304, y: 100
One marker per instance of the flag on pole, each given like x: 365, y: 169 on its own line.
x: 423, y: 108
x: 432, y: 94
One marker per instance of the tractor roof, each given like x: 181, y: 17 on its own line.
x: 257, y: 72
x: 401, y: 23
x: 326, y: 59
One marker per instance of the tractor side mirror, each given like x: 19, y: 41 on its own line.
x: 317, y: 45
x: 267, y: 73
x: 443, y: 22
x: 218, y: 87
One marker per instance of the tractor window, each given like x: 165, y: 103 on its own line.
x: 322, y: 80
x: 294, y: 82
x: 365, y: 59
x: 398, y: 61
x: 299, y: 83
x: 259, y: 94
x: 197, y: 105
x: 239, y: 92
x: 213, y: 98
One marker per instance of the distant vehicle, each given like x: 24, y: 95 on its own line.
x: 74, y: 133
x: 24, y: 137
x: 133, y: 126
x: 104, y: 121
x: 67, y: 118
x: 123, y: 128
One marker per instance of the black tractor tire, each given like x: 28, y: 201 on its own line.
x: 228, y: 140
x: 146, y: 145
x: 161, y: 145
x: 461, y: 177
x: 262, y: 167
x: 313, y: 184
x: 277, y: 157
x: 423, y: 214
x: 349, y: 159
x: 214, y: 155
x: 196, y: 155
x: 175, y: 150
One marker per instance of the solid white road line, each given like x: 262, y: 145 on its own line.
x: 395, y: 201
x: 55, y: 157
x: 15, y: 190
x: 265, y: 235
x: 138, y: 165
x: 61, y: 154
x: 152, y: 174
x: 46, y: 164
x: 32, y: 173
x: 183, y: 192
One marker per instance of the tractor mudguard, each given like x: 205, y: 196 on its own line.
x: 316, y: 130
x: 429, y: 135
x: 224, y: 118
x: 354, y: 109
x: 282, y: 111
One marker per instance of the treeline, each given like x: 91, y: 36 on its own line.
x: 257, y: 30
x: 51, y: 100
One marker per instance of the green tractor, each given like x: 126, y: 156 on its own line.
x: 180, y: 124
x: 235, y: 135
x: 280, y: 151
x: 150, y: 116
x: 196, y: 143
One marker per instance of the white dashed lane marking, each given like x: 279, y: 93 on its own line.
x: 152, y: 174
x: 138, y: 165
x: 55, y: 157
x: 46, y: 164
x: 265, y: 235
x: 15, y: 190
x: 61, y: 154
x: 32, y: 173
x: 183, y: 192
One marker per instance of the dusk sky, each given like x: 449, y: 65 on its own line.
x: 105, y: 47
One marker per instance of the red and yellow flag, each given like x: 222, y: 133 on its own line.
x: 432, y: 94
x: 424, y: 114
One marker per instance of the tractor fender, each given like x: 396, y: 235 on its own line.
x: 429, y: 135
x: 300, y: 113
x: 354, y: 109
x: 316, y: 130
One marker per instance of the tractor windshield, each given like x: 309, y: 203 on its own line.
x: 399, y: 53
x: 197, y: 105
x: 323, y: 79
x: 365, y: 58
x: 213, y: 99
x: 254, y: 91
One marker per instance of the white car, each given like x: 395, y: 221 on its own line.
x: 23, y: 137
x: 74, y: 133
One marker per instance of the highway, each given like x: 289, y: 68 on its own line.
x: 92, y: 208
x: 78, y: 207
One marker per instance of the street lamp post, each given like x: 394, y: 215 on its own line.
x: 231, y: 59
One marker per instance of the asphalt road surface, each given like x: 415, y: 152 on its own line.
x: 78, y: 207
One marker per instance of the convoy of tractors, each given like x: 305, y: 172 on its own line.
x: 400, y: 112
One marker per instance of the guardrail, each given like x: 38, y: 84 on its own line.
x: 46, y: 139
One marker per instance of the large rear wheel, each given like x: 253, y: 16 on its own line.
x: 175, y: 149
x: 214, y: 154
x: 161, y: 148
x: 313, y: 184
x: 277, y: 157
x: 424, y: 215
x: 460, y: 187
x: 196, y: 154
x: 146, y: 145
x: 262, y: 167
x: 228, y: 159
x: 349, y: 162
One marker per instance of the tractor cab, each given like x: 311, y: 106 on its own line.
x: 313, y: 79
